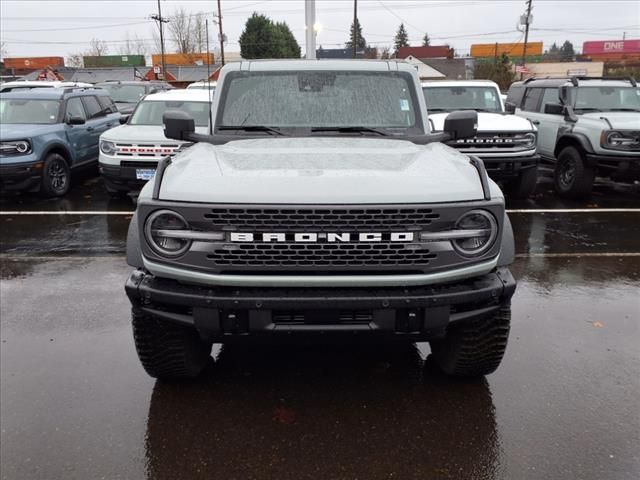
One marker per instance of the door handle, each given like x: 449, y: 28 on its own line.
x: 90, y: 129
x: 535, y: 122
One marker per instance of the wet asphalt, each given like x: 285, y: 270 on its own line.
x: 75, y: 403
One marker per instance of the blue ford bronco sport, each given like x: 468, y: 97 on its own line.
x: 47, y: 133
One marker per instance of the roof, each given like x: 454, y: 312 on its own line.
x: 424, y: 70
x: 557, y: 82
x: 98, y: 75
x: 193, y: 95
x: 460, y: 83
x: 131, y: 82
x: 453, y: 68
x: 311, y: 65
x: 191, y: 73
x: 435, y: 51
x: 338, y: 53
x: 37, y: 93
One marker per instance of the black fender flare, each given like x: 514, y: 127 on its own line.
x: 61, y: 147
x: 507, y: 244
x: 134, y: 252
x: 572, y: 138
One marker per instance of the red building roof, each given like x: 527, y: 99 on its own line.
x: 439, y: 51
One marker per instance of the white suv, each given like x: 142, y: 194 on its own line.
x: 506, y: 143
x: 129, y: 154
x: 586, y: 127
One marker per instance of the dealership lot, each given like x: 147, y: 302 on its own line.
x: 76, y: 404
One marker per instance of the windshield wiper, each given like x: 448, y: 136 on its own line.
x: 252, y: 128
x: 350, y: 130
x: 624, y: 110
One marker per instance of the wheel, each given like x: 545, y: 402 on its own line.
x: 573, y: 178
x: 56, y: 176
x: 474, y: 348
x: 524, y: 185
x: 169, y: 351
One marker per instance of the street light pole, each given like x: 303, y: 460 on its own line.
x: 310, y: 33
x: 526, y: 35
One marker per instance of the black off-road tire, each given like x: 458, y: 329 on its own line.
x: 475, y: 348
x: 56, y: 176
x: 573, y: 178
x: 169, y: 351
x: 523, y: 186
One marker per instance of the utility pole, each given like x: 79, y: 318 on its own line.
x: 526, y: 35
x: 355, y: 27
x: 221, y: 35
x: 310, y: 33
x: 160, y: 21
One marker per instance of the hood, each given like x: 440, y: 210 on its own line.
x: 141, y: 134
x: 618, y: 120
x: 489, y: 122
x: 125, y: 108
x: 20, y: 131
x: 320, y: 171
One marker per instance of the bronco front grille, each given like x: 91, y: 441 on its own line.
x: 312, y: 255
x: 289, y: 219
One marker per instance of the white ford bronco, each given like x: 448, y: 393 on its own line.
x: 505, y: 143
x: 321, y: 205
x: 587, y: 127
x: 129, y: 154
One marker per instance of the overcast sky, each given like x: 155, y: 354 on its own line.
x: 59, y: 28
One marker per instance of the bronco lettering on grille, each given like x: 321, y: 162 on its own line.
x: 324, y: 237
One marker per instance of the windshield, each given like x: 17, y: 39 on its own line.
x: 150, y: 112
x: 125, y: 93
x: 484, y: 99
x: 321, y: 99
x: 29, y: 111
x: 605, y: 98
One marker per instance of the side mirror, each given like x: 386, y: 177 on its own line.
x: 153, y: 90
x: 461, y: 124
x: 76, y: 121
x: 178, y: 125
x: 124, y: 119
x: 510, y: 107
x: 554, y: 108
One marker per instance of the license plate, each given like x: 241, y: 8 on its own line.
x: 145, y: 173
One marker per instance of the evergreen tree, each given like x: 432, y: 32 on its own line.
x: 567, y: 52
x: 401, y: 39
x: 498, y: 70
x: 553, y: 53
x: 362, y: 43
x: 285, y: 44
x: 426, y: 41
x: 262, y: 38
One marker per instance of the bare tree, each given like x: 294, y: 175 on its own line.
x: 3, y: 50
x: 97, y: 48
x: 188, y: 31
x: 133, y: 45
x: 180, y: 29
x: 74, y: 60
x: 157, y: 48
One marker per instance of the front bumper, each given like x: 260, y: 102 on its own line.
x: 620, y: 168
x: 224, y: 313
x: 122, y: 178
x: 21, y: 177
x: 501, y: 168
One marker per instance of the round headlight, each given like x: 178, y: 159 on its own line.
x: 485, y: 230
x: 108, y: 148
x: 22, y: 146
x: 158, y: 229
x: 530, y: 140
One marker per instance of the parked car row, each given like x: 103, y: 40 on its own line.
x: 580, y: 127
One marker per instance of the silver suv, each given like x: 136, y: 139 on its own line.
x: 321, y: 205
x: 587, y: 127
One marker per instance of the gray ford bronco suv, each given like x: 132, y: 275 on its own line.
x: 320, y: 204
